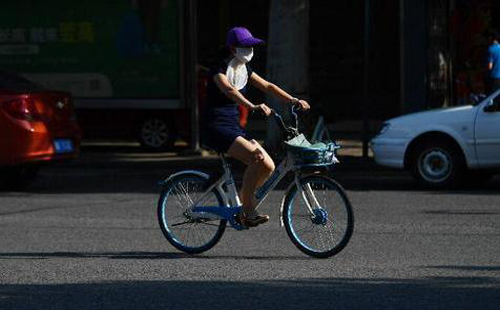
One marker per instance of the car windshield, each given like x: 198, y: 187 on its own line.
x: 17, y: 83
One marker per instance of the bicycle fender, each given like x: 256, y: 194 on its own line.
x: 172, y: 176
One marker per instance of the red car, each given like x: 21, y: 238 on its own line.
x: 36, y: 126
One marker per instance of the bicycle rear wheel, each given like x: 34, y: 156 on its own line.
x: 328, y: 230
x: 188, y: 234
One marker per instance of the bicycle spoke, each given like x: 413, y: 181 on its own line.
x: 189, y: 234
x: 182, y: 223
x: 319, y: 236
x: 209, y: 224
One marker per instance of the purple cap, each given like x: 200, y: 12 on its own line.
x: 241, y: 37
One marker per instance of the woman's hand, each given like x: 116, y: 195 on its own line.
x: 301, y: 103
x: 264, y: 109
x: 304, y: 105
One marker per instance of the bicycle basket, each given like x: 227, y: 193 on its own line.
x: 306, y: 154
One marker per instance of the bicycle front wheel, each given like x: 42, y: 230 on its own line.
x: 190, y: 235
x: 326, y: 230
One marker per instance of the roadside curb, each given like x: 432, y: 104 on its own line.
x: 171, y: 161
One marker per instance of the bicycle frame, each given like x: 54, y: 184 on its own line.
x: 232, y: 204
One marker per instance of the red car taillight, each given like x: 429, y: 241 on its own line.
x: 21, y: 108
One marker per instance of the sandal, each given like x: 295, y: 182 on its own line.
x: 247, y: 221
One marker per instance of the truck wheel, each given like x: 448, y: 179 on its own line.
x: 156, y: 134
x: 437, y: 164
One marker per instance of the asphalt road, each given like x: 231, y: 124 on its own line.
x: 85, y: 236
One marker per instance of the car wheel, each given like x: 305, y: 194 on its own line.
x: 18, y: 177
x: 438, y: 164
x: 156, y: 134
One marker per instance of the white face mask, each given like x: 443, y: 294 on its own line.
x: 244, y: 54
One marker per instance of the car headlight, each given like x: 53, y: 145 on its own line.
x: 384, y: 128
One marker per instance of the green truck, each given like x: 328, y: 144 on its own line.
x: 120, y: 59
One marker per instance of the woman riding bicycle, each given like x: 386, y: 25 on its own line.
x: 222, y: 131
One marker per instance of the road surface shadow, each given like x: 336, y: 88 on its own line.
x: 142, y: 176
x: 147, y: 182
x: 141, y: 255
x: 314, y: 293
x: 467, y: 268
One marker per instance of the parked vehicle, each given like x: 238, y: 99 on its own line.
x: 125, y: 71
x: 444, y: 147
x: 36, y: 126
x: 155, y: 125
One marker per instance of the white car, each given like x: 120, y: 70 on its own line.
x: 443, y: 147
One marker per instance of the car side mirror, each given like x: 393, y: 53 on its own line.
x: 491, y: 107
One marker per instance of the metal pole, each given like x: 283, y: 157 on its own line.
x: 402, y: 85
x: 366, y: 98
x: 190, y: 39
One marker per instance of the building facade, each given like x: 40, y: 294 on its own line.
x: 423, y: 54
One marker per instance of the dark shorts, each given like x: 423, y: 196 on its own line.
x: 221, y: 127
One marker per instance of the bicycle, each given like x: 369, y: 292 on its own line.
x: 193, y: 212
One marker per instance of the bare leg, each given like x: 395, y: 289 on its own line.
x: 259, y: 167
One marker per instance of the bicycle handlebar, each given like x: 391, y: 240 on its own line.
x: 289, y: 130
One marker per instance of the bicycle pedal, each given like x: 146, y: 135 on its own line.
x: 239, y: 225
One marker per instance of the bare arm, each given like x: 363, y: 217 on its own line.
x: 269, y: 88
x: 272, y: 89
